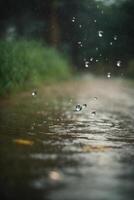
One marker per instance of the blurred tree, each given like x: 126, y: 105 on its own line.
x: 54, y: 23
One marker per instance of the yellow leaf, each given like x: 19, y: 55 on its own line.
x: 23, y: 142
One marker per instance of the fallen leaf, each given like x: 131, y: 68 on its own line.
x: 24, y: 142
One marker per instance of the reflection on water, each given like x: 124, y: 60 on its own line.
x: 50, y: 151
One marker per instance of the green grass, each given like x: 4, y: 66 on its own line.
x: 27, y: 63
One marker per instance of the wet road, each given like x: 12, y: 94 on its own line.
x: 49, y: 151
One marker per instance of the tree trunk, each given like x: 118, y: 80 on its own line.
x: 54, y: 26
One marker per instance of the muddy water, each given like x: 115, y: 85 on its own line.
x: 50, y: 151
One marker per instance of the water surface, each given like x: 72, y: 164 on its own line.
x: 50, y: 151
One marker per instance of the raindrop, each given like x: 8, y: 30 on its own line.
x: 84, y: 105
x: 108, y: 75
x: 86, y: 64
x: 78, y: 108
x: 73, y: 19
x: 97, y: 48
x: 115, y: 37
x: 80, y: 26
x: 102, y: 12
x: 80, y: 43
x: 34, y: 93
x: 100, y: 55
x: 91, y: 59
x: 100, y: 33
x: 96, y: 60
x: 93, y: 113
x: 95, y: 98
x: 111, y: 43
x: 118, y: 63
x: 95, y: 20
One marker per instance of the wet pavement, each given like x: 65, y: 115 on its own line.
x: 51, y: 150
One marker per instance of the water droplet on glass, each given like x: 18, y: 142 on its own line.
x: 78, y: 108
x: 115, y: 37
x: 95, y: 20
x: 96, y: 60
x: 100, y: 33
x: 100, y: 55
x: 97, y: 48
x: 111, y: 43
x: 118, y: 63
x: 80, y: 26
x: 109, y: 75
x: 102, y: 12
x: 91, y: 59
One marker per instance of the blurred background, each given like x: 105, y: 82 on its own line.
x: 53, y: 39
x: 66, y: 99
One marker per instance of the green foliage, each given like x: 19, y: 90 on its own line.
x: 25, y: 63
